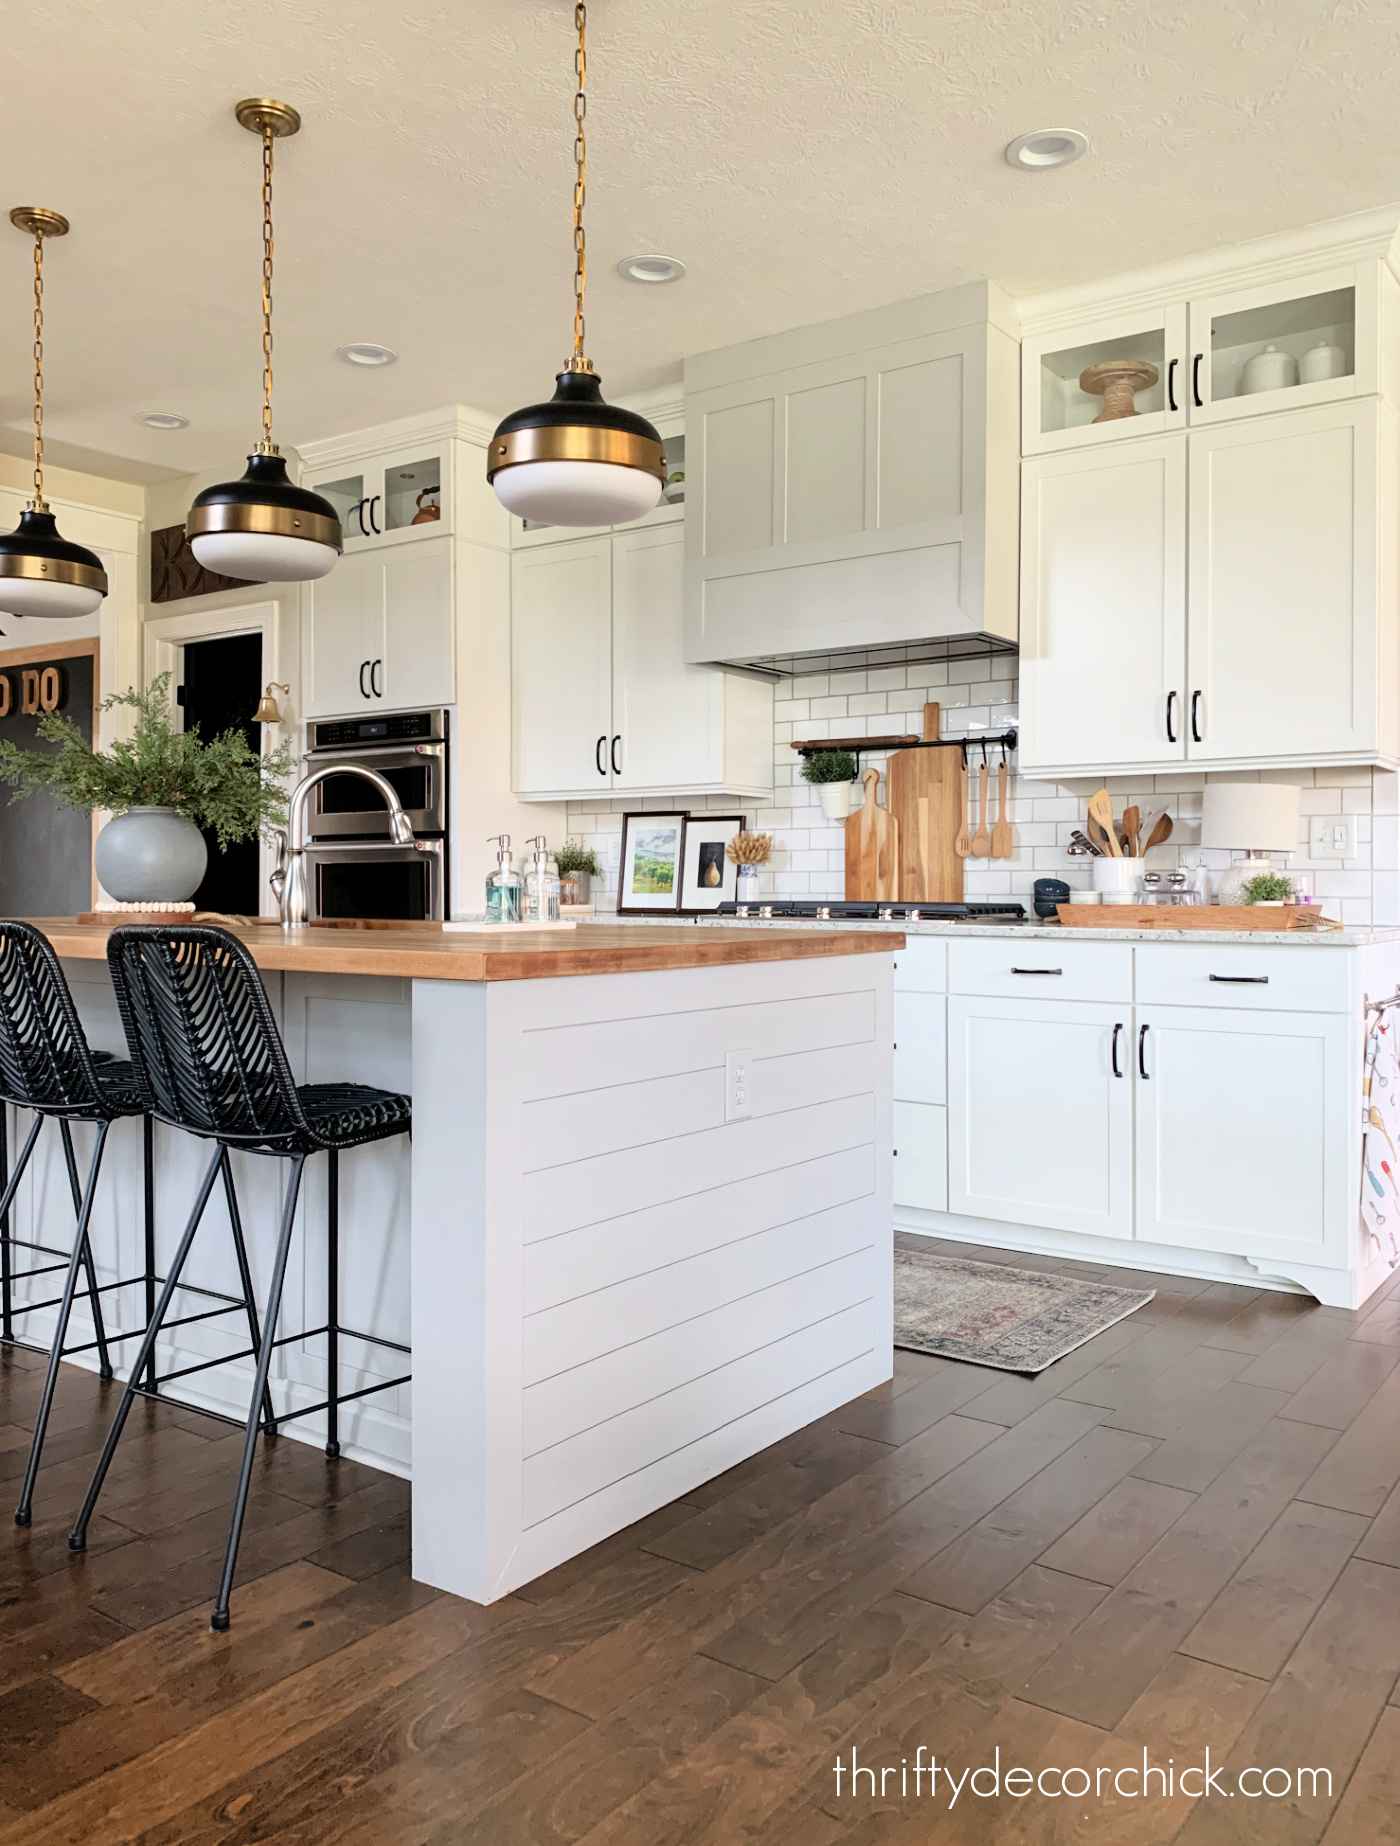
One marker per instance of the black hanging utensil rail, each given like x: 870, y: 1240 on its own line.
x: 1002, y: 740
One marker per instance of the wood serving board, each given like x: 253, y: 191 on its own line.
x: 872, y: 849
x: 925, y: 797
x: 1195, y: 916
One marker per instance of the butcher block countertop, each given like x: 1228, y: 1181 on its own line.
x: 426, y: 955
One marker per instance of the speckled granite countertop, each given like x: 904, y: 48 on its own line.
x: 1292, y: 938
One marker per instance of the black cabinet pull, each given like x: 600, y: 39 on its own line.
x: 376, y: 681
x: 1037, y: 970
x: 373, y: 527
x: 358, y: 512
x: 1196, y: 718
x: 1196, y: 380
x: 1171, y: 702
x: 616, y: 766
x: 1142, y: 1068
x: 1113, y: 1051
x: 1241, y: 980
x: 1171, y: 386
x: 598, y: 754
x: 364, y: 664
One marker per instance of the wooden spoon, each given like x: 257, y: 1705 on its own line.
x: 1131, y: 820
x: 962, y: 846
x: 1161, y: 832
x: 982, y: 840
x: 1101, y: 813
x: 1001, y: 833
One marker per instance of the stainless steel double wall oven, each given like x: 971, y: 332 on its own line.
x: 353, y: 868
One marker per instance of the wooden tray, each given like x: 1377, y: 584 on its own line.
x: 1195, y: 916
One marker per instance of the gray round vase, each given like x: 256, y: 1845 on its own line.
x: 150, y: 856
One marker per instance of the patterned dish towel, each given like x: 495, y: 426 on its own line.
x: 1380, y: 1154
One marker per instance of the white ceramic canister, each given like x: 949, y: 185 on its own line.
x: 1118, y: 874
x: 1270, y: 370
x: 1321, y: 361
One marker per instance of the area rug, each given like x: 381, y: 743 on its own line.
x: 989, y: 1314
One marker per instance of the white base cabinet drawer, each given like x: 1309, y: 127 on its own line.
x: 920, y: 1048
x: 1244, y: 1133
x: 1040, y: 1113
x: 921, y: 1156
x: 921, y: 966
x: 1031, y: 967
x: 1306, y: 978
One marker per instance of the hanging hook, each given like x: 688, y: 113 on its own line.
x: 984, y: 753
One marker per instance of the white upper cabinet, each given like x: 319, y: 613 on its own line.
x: 1103, y: 607
x: 1282, y: 657
x: 379, y: 632
x: 388, y: 498
x: 1314, y: 338
x: 854, y: 483
x: 1057, y: 412
x: 603, y: 701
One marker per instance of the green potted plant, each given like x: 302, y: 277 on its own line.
x: 160, y: 785
x: 1269, y: 888
x: 832, y: 773
x: 578, y: 865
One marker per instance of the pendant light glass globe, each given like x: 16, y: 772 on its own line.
x: 577, y: 461
x: 42, y: 573
x: 261, y: 527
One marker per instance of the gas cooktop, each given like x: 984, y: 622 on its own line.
x: 821, y: 910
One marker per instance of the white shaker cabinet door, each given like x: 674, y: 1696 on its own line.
x: 416, y: 669
x: 1243, y: 1133
x: 561, y: 668
x: 345, y: 636
x: 1283, y: 586
x: 668, y: 718
x: 1039, y: 1125
x: 1103, y: 607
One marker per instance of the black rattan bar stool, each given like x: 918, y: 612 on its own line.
x: 47, y: 1065
x: 207, y: 1050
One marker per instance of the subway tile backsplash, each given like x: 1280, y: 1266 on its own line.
x: 978, y: 697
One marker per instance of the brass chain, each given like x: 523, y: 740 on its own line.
x: 39, y: 372
x: 581, y: 166
x: 267, y: 290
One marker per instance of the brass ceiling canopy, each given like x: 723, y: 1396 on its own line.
x: 39, y: 221
x: 264, y: 115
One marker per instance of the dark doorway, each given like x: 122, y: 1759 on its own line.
x: 222, y: 685
x: 46, y: 849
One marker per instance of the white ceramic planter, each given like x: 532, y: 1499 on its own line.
x: 151, y: 856
x: 835, y: 799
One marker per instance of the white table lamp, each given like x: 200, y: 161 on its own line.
x: 1258, y: 817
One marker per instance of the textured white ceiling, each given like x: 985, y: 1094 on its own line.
x: 806, y: 160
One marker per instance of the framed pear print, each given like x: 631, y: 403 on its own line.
x: 708, y: 879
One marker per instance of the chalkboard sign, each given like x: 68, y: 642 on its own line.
x: 45, y: 849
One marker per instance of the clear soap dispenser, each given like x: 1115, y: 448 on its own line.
x: 541, y: 886
x: 504, y: 886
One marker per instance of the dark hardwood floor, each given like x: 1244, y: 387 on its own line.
x: 1184, y: 1535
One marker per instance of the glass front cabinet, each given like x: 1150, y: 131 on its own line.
x: 389, y: 499
x: 1210, y: 358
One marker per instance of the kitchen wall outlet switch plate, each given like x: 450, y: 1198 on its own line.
x: 1332, y: 836
x: 738, y: 1091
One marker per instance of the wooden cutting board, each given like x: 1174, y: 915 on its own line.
x: 872, y: 848
x: 1195, y: 916
x: 925, y: 798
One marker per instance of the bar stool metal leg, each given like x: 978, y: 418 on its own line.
x: 77, y: 1538
x: 220, y: 1619
x: 245, y: 1278
x: 24, y: 1511
x: 148, y: 1201
x: 7, y: 1325
x: 333, y: 1304
x: 104, y: 1361
x: 11, y: 1188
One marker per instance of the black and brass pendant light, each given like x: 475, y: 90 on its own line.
x: 40, y: 572
x: 577, y: 461
x: 263, y: 528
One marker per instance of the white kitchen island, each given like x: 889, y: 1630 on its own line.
x: 643, y: 1230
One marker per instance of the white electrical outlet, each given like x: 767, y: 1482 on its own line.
x: 1332, y: 836
x: 738, y: 1090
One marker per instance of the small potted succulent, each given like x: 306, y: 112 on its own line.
x: 578, y: 866
x: 832, y: 773
x: 161, y: 786
x: 1268, y: 888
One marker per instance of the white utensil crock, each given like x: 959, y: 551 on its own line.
x: 1118, y: 874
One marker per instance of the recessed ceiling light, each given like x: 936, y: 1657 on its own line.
x: 365, y: 352
x: 162, y: 419
x: 651, y: 268
x: 1047, y: 147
